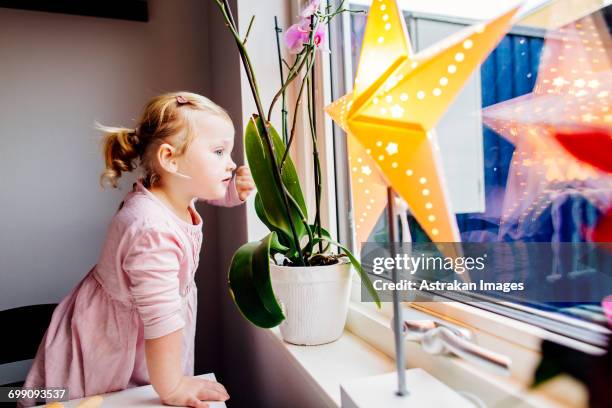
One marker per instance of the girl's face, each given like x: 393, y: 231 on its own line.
x: 207, y: 160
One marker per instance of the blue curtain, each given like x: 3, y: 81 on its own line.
x: 509, y: 71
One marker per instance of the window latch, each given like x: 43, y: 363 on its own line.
x: 440, y: 338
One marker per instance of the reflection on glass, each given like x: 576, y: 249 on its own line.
x: 534, y: 83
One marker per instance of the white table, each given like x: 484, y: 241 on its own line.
x: 139, y: 397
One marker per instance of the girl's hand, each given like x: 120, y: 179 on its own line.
x: 244, y: 182
x: 192, y: 392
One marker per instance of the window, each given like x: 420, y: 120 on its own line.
x: 482, y: 167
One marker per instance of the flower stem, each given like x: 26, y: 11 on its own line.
x: 246, y: 62
x: 291, y: 75
x: 313, y: 130
x: 246, y: 36
x: 295, y: 115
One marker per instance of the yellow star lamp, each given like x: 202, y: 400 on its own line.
x: 398, y: 98
x: 368, y: 187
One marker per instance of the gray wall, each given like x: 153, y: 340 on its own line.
x: 59, y: 74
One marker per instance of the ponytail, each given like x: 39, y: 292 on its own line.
x: 121, y: 153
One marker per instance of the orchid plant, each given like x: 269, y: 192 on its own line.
x: 279, y: 202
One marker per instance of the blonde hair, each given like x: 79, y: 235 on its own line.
x: 163, y: 118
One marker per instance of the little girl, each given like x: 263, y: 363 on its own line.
x: 131, y: 320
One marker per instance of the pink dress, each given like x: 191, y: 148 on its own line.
x: 142, y: 288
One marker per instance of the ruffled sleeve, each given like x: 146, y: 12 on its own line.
x: 152, y: 266
x: 231, y: 198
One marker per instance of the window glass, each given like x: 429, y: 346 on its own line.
x: 504, y: 190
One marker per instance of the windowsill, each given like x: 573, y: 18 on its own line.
x: 330, y: 364
x: 326, y: 366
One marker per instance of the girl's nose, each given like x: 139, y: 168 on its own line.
x: 232, y: 165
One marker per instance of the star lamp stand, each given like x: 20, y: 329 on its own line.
x: 412, y: 388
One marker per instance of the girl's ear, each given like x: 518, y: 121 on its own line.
x: 166, y: 157
x: 168, y: 161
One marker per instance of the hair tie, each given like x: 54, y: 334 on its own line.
x: 133, y: 137
x: 181, y: 99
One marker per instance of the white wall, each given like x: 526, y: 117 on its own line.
x: 59, y: 74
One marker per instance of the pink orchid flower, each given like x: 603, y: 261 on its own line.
x: 299, y: 34
x: 319, y: 36
x: 296, y: 36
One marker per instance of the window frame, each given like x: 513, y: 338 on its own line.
x: 517, y: 339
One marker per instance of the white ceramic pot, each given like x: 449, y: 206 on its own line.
x: 314, y: 300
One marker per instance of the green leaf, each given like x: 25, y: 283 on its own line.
x: 362, y: 274
x: 276, y: 245
x: 250, y: 285
x: 288, y: 247
x: 289, y: 174
x: 324, y: 234
x: 272, y: 209
x: 261, y: 213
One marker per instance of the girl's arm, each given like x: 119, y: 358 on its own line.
x: 152, y: 267
x: 164, y: 365
x: 164, y: 362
